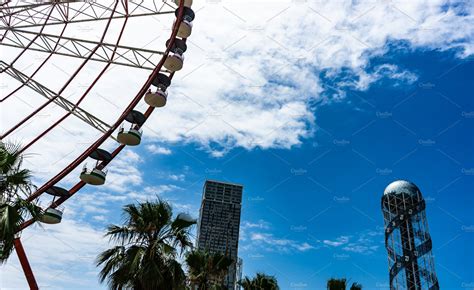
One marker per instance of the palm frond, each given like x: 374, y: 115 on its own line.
x: 336, y: 284
x: 147, y: 249
x: 10, y: 221
x: 112, y: 258
x: 120, y: 234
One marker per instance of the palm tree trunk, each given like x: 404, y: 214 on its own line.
x: 30, y: 278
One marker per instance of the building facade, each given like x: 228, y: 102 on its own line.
x: 219, y: 223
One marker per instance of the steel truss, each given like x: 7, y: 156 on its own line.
x: 92, y: 52
x: 32, y: 15
x: 12, y: 11
x: 80, y: 48
x: 106, y: 135
x: 14, y: 19
x: 408, y: 242
x: 58, y: 100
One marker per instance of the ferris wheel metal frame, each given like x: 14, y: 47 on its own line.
x: 16, y: 20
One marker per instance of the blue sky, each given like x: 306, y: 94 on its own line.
x: 313, y: 211
x: 325, y: 193
x: 313, y: 127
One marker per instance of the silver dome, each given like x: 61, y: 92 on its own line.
x: 401, y: 186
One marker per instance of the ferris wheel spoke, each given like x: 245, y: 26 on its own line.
x: 30, y: 17
x: 31, y: 41
x: 38, y: 68
x: 23, y: 7
x: 16, y: 126
x: 63, y: 173
x: 76, y: 105
x: 58, y: 100
x: 171, y: 59
x: 78, y: 186
x: 26, y: 16
x: 81, y: 48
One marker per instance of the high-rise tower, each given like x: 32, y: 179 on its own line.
x: 219, y: 222
x: 407, y: 239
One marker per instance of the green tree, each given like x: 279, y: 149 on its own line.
x: 207, y: 270
x: 336, y: 284
x: 340, y: 284
x: 246, y: 283
x: 261, y: 281
x: 356, y: 286
x: 146, y: 249
x: 15, y: 187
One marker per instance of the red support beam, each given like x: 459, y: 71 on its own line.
x: 67, y: 83
x: 25, y: 265
x: 106, y: 135
x: 94, y: 146
x: 104, y: 69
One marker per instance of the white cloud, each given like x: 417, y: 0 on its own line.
x: 304, y: 247
x: 61, y: 256
x: 270, y: 243
x: 256, y: 235
x: 125, y: 172
x: 388, y: 71
x: 254, y: 87
x: 361, y: 249
x: 247, y: 227
x: 188, y: 208
x: 158, y: 150
x: 100, y: 218
x: 250, y: 79
x: 260, y: 224
x: 251, y: 75
x: 365, y: 242
x: 342, y: 240
x: 162, y: 188
x: 151, y: 192
x: 177, y: 177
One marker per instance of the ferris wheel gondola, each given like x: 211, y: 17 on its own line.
x: 22, y: 23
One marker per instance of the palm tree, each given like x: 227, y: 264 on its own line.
x: 261, y: 281
x: 13, y: 179
x: 15, y: 186
x: 247, y: 283
x: 340, y: 284
x: 336, y: 284
x: 356, y: 286
x: 207, y: 270
x: 146, y: 249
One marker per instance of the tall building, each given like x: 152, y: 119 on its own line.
x: 407, y: 239
x: 219, y: 223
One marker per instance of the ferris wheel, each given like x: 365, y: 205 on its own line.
x: 42, y: 27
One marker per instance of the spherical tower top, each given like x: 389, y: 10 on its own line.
x: 400, y: 187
